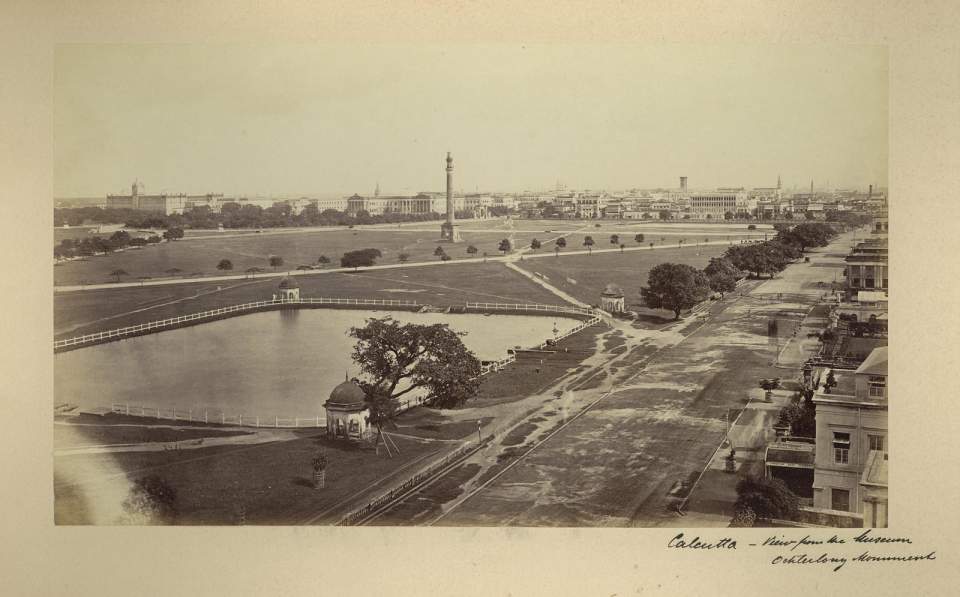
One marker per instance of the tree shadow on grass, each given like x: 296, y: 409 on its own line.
x: 652, y: 319
x: 302, y: 482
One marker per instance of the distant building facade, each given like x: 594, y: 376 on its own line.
x: 164, y: 203
x: 717, y: 203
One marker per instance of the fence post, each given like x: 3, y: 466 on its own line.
x: 128, y: 409
x: 174, y: 413
x: 276, y: 422
x: 221, y: 418
x: 241, y: 420
x: 206, y: 418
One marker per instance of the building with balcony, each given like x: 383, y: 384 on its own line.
x: 717, y: 203
x: 867, y: 268
x: 851, y: 428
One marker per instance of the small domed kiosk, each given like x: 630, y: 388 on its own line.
x: 347, y: 412
x: 611, y: 299
x: 289, y: 289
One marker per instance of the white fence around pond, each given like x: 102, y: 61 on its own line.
x: 173, y: 322
x: 213, y: 314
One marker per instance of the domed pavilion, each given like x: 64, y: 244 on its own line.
x: 347, y: 412
x: 289, y: 289
x: 611, y: 299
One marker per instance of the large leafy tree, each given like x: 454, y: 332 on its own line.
x: 808, y: 234
x: 360, y: 258
x: 676, y: 287
x: 753, y: 258
x: 173, y: 233
x: 588, y: 243
x: 722, y: 275
x: 225, y: 264
x: 504, y: 246
x: 397, y: 359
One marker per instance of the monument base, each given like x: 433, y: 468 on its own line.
x: 449, y: 233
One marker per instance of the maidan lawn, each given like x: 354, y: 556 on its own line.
x: 84, y: 312
x: 200, y: 256
x: 200, y: 251
x: 585, y: 276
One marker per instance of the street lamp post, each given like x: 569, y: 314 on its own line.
x: 479, y: 439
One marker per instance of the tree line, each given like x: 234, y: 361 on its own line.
x: 121, y: 239
x: 677, y: 287
x: 234, y: 215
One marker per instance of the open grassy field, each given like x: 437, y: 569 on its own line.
x: 271, y: 482
x: 201, y: 250
x: 201, y: 256
x: 585, y: 276
x: 78, y: 313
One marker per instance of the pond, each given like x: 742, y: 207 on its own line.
x: 271, y: 364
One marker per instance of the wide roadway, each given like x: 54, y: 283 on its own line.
x: 654, y: 424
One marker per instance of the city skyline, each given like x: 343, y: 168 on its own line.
x: 288, y: 120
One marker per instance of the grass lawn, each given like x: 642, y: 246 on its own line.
x: 88, y: 432
x: 270, y: 482
x: 77, y: 313
x: 528, y: 375
x: 301, y: 247
x: 430, y: 424
x: 585, y: 276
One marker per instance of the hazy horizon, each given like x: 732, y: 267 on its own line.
x: 334, y: 120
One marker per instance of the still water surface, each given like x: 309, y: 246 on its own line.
x: 277, y: 363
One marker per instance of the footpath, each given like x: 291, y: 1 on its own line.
x: 710, y: 502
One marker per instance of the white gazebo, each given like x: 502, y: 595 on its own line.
x: 611, y: 299
x: 288, y: 289
x: 347, y: 412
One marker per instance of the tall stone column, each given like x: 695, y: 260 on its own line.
x: 448, y: 230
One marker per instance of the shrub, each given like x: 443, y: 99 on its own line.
x: 766, y: 498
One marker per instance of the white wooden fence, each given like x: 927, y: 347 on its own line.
x: 173, y: 322
x: 217, y: 416
x: 530, y: 307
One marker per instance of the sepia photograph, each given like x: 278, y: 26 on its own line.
x: 499, y: 285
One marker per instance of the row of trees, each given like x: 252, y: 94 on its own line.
x: 121, y: 239
x: 235, y: 215
x: 677, y: 286
x: 772, y: 256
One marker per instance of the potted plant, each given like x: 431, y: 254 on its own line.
x: 769, y: 385
x: 731, y: 464
x: 319, y: 470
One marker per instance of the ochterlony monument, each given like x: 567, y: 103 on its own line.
x: 448, y: 230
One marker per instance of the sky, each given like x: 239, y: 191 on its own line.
x: 338, y: 119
